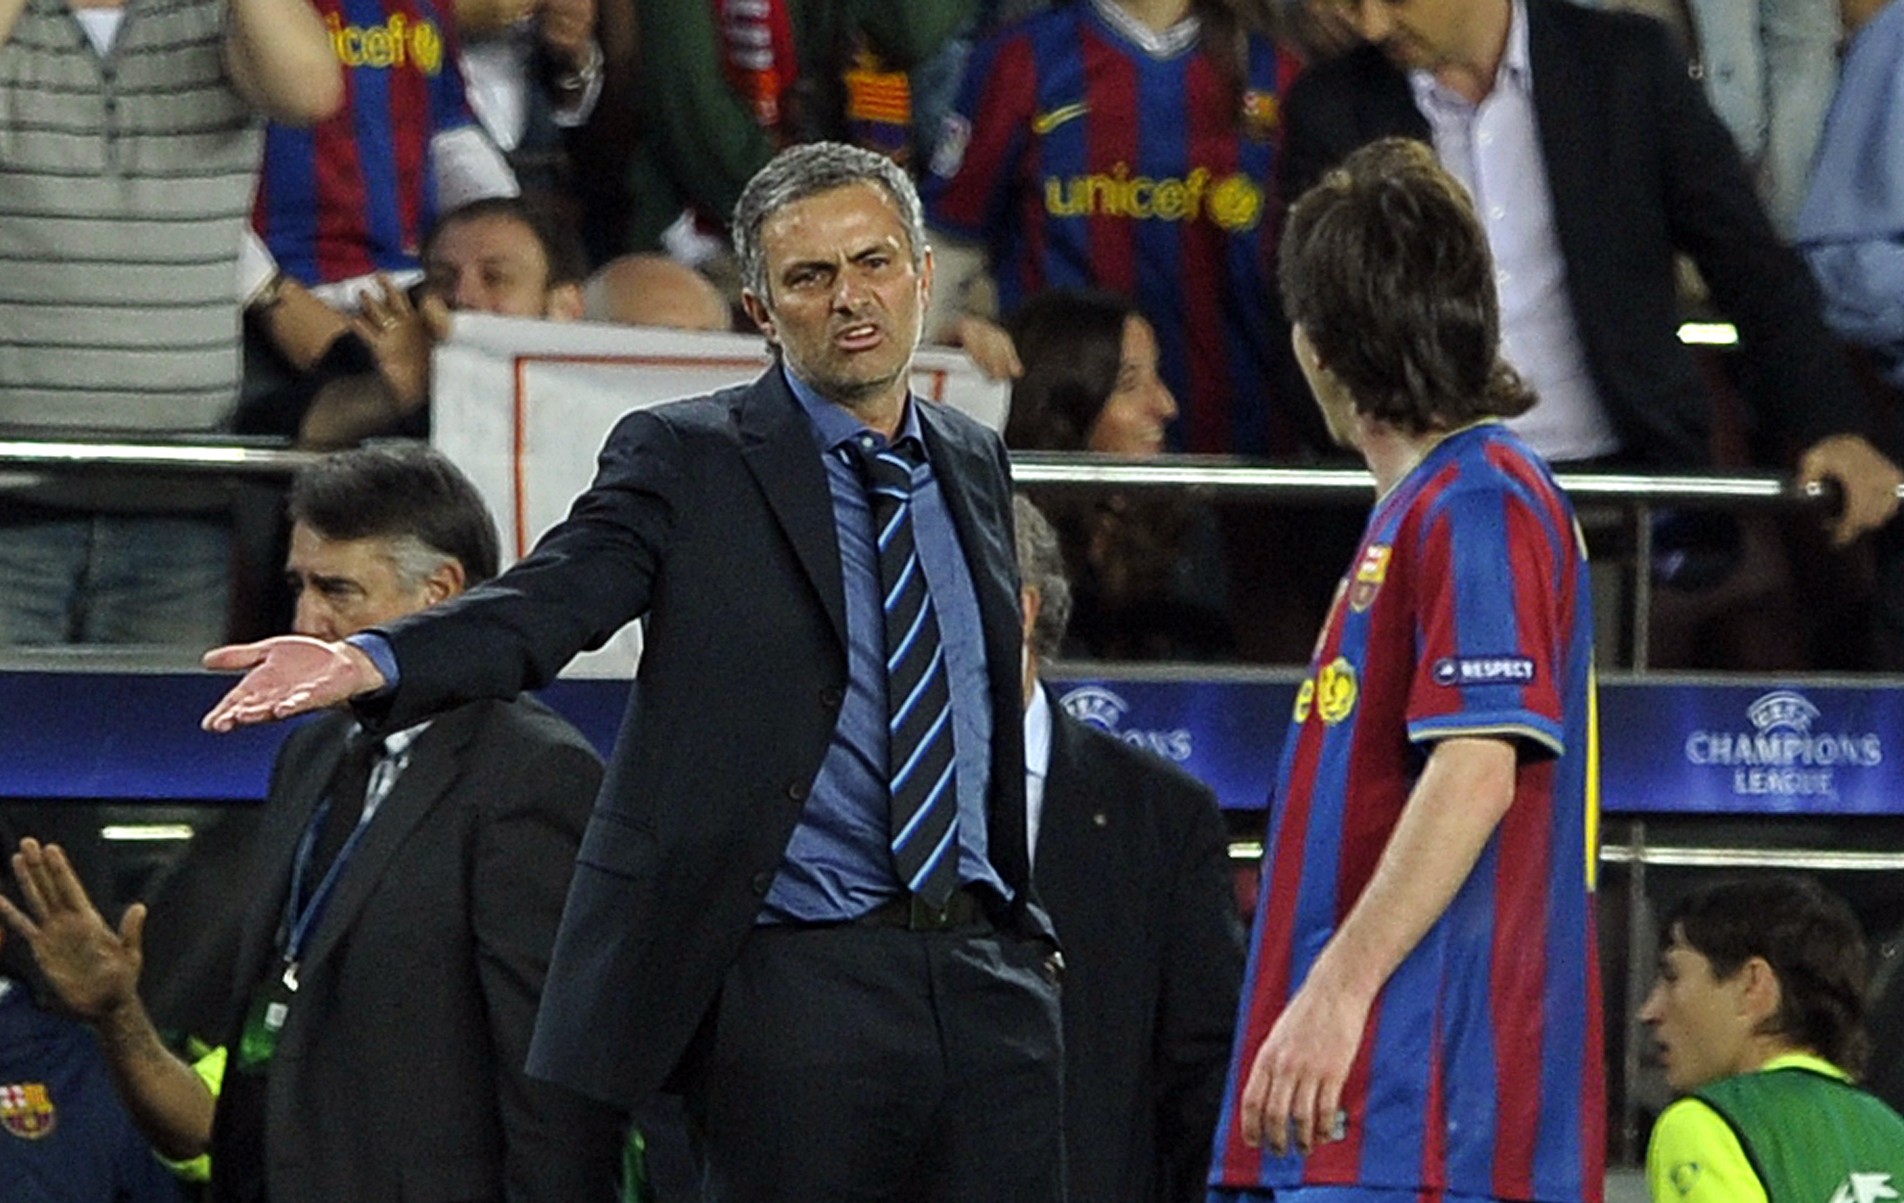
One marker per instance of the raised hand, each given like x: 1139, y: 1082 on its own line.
x: 287, y: 675
x: 93, y: 969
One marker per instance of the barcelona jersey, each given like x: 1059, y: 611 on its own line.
x: 1081, y: 159
x: 354, y: 194
x: 1464, y: 613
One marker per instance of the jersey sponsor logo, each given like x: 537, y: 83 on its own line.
x: 1051, y: 119
x: 1105, y: 710
x: 1233, y: 203
x: 1483, y: 670
x: 1336, y: 691
x: 1370, y: 572
x: 1864, y: 1188
x: 1305, y: 700
x: 398, y: 42
x: 1782, y: 755
x: 26, y: 1110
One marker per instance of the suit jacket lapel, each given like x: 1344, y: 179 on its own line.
x: 434, y: 761
x: 777, y: 444
x: 1560, y: 85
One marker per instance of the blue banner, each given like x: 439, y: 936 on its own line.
x: 1666, y: 747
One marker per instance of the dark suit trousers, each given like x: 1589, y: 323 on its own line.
x: 858, y: 1064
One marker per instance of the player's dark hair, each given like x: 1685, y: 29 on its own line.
x: 1387, y: 269
x: 398, y: 490
x: 1811, y: 940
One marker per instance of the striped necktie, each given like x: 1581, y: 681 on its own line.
x: 924, y: 815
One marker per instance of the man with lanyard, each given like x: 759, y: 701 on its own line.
x: 404, y: 896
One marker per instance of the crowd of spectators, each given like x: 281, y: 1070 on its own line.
x: 1146, y: 149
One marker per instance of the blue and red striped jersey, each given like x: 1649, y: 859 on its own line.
x: 1465, y: 613
x: 1079, y: 158
x: 355, y: 194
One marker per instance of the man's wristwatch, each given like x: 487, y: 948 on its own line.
x: 268, y: 296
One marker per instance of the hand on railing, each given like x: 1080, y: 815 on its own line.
x: 1866, y: 481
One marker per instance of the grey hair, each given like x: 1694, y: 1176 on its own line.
x: 413, y: 559
x: 1041, y: 569
x: 808, y: 170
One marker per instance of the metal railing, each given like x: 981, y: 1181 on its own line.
x: 1635, y: 496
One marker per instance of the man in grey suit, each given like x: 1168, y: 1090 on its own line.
x: 403, y: 899
x: 1131, y: 857
x: 803, y: 898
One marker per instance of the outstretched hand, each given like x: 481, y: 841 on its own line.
x: 93, y: 969
x: 287, y: 675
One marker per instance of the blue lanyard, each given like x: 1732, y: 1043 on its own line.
x: 295, y: 929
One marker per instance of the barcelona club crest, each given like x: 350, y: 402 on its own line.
x: 1370, y: 572
x: 26, y: 1111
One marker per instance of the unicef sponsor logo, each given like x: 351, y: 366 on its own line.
x: 1105, y: 710
x: 1787, y: 750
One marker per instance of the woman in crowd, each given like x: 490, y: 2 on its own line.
x: 1146, y: 568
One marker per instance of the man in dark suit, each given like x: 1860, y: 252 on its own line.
x: 404, y: 895
x: 1131, y: 858
x: 803, y: 897
x: 1593, y: 116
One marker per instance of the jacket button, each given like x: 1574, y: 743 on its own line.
x: 763, y: 881
x: 797, y: 791
x: 832, y: 696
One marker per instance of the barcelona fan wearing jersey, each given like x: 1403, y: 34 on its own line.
x: 1089, y: 149
x: 355, y: 194
x: 1421, y: 1019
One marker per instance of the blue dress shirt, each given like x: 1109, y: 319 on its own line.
x: 838, y: 865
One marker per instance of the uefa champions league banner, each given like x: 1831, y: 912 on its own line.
x: 523, y: 407
x: 1675, y: 748
x: 1664, y: 748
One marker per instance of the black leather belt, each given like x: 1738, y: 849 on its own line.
x: 911, y: 913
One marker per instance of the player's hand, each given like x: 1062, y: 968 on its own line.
x: 93, y: 969
x: 1294, y: 1089
x: 1869, y: 481
x: 287, y: 675
x: 990, y: 347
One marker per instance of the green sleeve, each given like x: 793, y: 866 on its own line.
x: 210, y: 1069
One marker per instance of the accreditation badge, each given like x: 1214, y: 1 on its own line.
x: 264, y: 1019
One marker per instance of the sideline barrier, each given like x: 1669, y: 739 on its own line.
x: 119, y: 727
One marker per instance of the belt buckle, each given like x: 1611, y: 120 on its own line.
x: 923, y: 916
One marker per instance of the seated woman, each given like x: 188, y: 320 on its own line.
x: 1146, y: 568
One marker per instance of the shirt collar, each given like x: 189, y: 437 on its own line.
x: 834, y: 424
x: 1168, y: 44
x: 1811, y: 1061
x: 1038, y: 733
x: 1515, y: 73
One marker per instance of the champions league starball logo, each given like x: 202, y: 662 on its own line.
x: 1105, y: 710
x: 1789, y: 750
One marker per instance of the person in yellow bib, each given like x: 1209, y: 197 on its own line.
x: 1759, y: 1016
